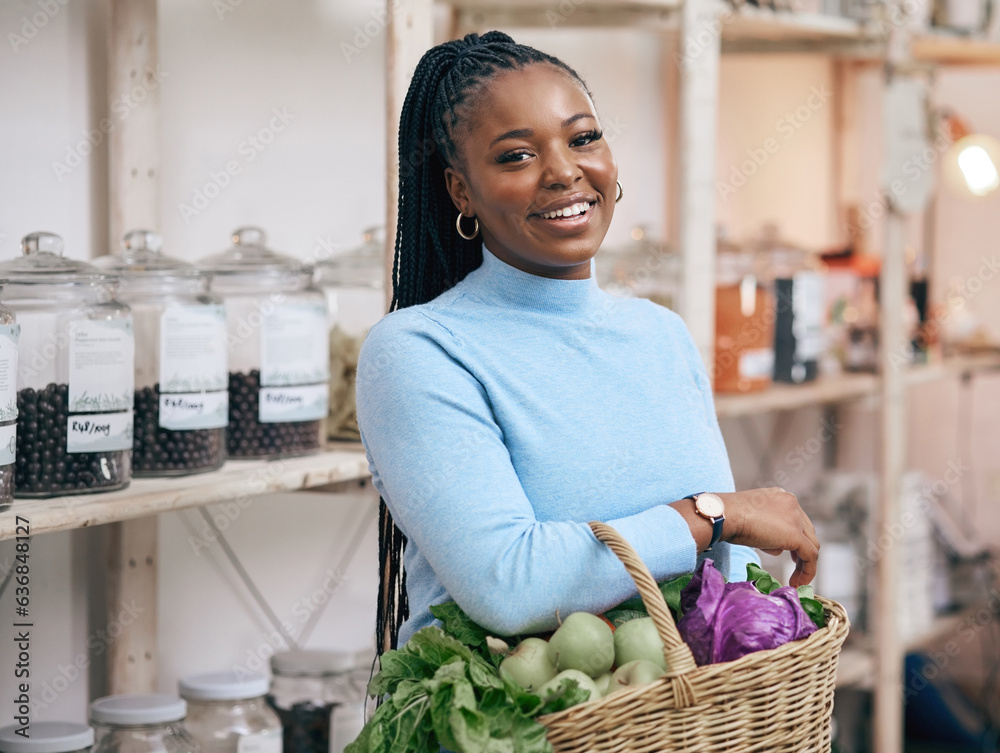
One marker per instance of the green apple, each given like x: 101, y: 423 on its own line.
x: 634, y: 674
x: 529, y: 664
x: 585, y: 642
x: 582, y: 678
x: 603, y: 683
x: 639, y: 639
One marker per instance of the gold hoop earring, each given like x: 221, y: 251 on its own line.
x: 475, y: 228
x: 621, y: 191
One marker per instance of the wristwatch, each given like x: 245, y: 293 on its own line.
x: 710, y: 506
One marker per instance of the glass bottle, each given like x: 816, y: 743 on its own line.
x: 141, y: 723
x: 306, y: 686
x: 75, y: 373
x: 354, y: 285
x: 228, y: 713
x: 47, y: 737
x: 643, y: 268
x: 181, y: 373
x: 279, y: 360
x: 794, y: 278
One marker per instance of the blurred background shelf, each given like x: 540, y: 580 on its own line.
x: 236, y: 481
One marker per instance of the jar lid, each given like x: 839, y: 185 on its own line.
x: 140, y: 256
x: 227, y: 685
x: 47, y: 737
x: 362, y: 266
x: 310, y: 663
x: 42, y: 262
x: 249, y: 255
x: 137, y: 709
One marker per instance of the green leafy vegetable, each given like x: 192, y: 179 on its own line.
x: 441, y: 692
x: 634, y: 607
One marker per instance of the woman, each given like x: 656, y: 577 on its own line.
x: 506, y: 401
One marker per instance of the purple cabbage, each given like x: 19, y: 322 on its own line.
x: 724, y: 621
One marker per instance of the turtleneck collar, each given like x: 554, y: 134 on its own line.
x: 496, y: 281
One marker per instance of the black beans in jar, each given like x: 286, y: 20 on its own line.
x: 247, y: 437
x: 42, y: 465
x: 165, y: 452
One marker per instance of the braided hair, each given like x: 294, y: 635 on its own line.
x: 430, y: 257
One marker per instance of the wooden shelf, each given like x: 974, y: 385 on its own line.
x: 953, y: 366
x: 951, y: 49
x: 791, y: 396
x: 236, y: 481
x: 751, y: 24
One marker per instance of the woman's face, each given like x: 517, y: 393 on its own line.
x: 530, y: 145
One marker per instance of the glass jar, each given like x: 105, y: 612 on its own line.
x: 181, y: 372
x: 47, y: 737
x: 75, y: 373
x: 643, y: 268
x: 9, y: 333
x: 354, y: 286
x: 141, y: 723
x: 348, y: 717
x: 279, y: 359
x: 227, y: 713
x: 306, y: 686
x: 744, y: 323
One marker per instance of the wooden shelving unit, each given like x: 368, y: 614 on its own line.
x: 237, y: 480
x: 950, y: 49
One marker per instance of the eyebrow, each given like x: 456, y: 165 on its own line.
x: 521, y: 133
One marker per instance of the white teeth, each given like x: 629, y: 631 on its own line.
x: 570, y: 211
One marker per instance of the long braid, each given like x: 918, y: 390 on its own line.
x: 430, y: 257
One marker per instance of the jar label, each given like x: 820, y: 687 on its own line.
x: 8, y: 371
x: 264, y: 742
x: 294, y: 346
x: 101, y: 366
x: 99, y: 432
x: 308, y: 402
x: 8, y: 443
x: 181, y: 411
x: 193, y: 349
x: 757, y: 363
x: 808, y: 314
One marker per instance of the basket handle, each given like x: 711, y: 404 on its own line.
x: 675, y: 651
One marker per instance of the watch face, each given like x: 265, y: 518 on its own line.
x: 709, y: 505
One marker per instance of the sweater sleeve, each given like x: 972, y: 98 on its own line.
x: 438, y: 458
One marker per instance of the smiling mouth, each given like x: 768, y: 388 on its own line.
x: 574, y: 210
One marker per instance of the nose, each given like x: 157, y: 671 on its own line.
x: 561, y: 169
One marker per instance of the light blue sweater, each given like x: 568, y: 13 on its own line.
x: 506, y: 413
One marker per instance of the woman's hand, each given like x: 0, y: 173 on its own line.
x: 767, y: 519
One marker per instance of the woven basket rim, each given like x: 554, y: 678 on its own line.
x: 835, y: 635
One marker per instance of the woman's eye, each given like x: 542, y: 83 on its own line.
x: 516, y: 156
x: 587, y: 138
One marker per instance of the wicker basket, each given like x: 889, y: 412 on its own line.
x: 768, y: 701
